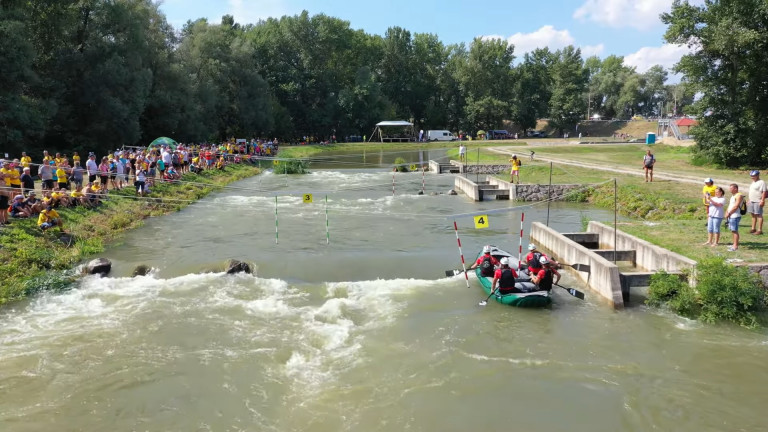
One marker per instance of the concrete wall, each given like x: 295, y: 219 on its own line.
x: 604, y: 275
x: 647, y: 255
x: 467, y: 186
x: 482, y: 168
x: 434, y: 167
x: 502, y: 185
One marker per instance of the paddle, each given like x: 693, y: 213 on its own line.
x: 485, y: 302
x: 580, y: 267
x: 574, y: 292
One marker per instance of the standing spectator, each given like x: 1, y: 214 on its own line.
x: 27, y: 182
x: 26, y: 161
x: 77, y: 174
x: 757, y: 194
x: 3, y: 197
x: 92, y: 167
x: 75, y: 158
x: 515, y: 169
x: 734, y: 215
x: 103, y: 169
x: 648, y: 162
x: 462, y: 153
x: 46, y: 175
x: 707, y: 191
x: 61, y: 177
x: 716, y: 213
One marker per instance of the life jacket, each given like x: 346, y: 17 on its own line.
x: 507, y: 280
x: 486, y: 267
x: 535, y: 263
x: 545, y: 283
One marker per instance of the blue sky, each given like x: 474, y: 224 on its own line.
x: 629, y: 28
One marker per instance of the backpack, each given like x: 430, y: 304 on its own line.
x: 743, y: 205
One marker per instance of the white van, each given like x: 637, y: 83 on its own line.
x: 440, y: 135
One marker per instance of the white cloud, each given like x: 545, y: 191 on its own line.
x: 639, y: 14
x: 251, y: 11
x: 592, y: 50
x: 666, y: 56
x: 546, y: 37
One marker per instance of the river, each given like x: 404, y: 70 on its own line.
x: 356, y: 329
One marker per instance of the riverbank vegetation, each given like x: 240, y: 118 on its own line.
x: 723, y: 293
x: 33, y: 260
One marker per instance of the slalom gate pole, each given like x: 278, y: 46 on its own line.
x: 423, y: 173
x: 393, y: 181
x: 327, y: 234
x: 275, y: 219
x: 461, y: 254
x: 520, y: 249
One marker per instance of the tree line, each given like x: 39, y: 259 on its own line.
x: 93, y: 75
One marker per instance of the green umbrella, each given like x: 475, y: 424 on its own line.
x: 164, y: 141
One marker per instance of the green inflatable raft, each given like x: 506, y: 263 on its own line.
x: 529, y: 297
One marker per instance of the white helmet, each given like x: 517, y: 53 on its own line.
x: 505, y: 261
x: 531, y: 246
x: 544, y: 260
x: 487, y: 249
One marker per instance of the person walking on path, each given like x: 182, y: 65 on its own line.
x: 716, y: 212
x: 757, y: 194
x: 733, y: 214
x: 648, y: 162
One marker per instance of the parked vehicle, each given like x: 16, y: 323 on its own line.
x: 440, y: 135
x: 497, y: 134
x: 535, y: 134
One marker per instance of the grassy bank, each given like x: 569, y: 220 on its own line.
x: 308, y: 151
x: 33, y: 261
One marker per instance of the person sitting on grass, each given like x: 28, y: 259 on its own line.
x: 49, y: 218
x: 19, y: 208
x: 33, y: 204
x: 78, y: 197
x: 91, y: 196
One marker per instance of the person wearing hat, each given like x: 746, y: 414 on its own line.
x: 487, y: 262
x: 533, y: 259
x: 19, y: 208
x: 515, y: 170
x: 757, y: 194
x: 707, y: 191
x: 546, y: 276
x: 49, y: 218
x: 33, y: 204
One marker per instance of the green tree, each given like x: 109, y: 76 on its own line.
x: 727, y: 68
x: 532, y: 89
x: 569, y: 81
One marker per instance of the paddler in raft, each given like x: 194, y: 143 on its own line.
x: 486, y: 262
x: 543, y: 277
x: 533, y: 260
x: 505, y: 277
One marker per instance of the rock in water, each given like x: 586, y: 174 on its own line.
x: 235, y: 266
x: 100, y: 266
x: 142, y: 270
x: 452, y: 192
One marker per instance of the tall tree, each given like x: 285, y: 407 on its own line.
x: 569, y: 81
x: 532, y: 90
x: 727, y: 68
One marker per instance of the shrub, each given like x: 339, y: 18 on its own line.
x: 293, y: 166
x: 401, y: 165
x: 723, y: 293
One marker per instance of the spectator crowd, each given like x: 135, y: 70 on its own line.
x: 38, y: 188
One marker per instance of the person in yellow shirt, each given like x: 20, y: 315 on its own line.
x: 515, y: 170
x: 15, y: 178
x: 46, y: 157
x: 25, y: 160
x: 78, y: 197
x: 49, y: 218
x: 58, y: 159
x: 75, y: 157
x: 706, y: 192
x: 5, y: 169
x: 61, y: 175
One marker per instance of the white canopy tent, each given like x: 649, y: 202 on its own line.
x: 404, y: 137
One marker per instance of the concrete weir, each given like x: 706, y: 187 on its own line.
x: 595, y: 249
